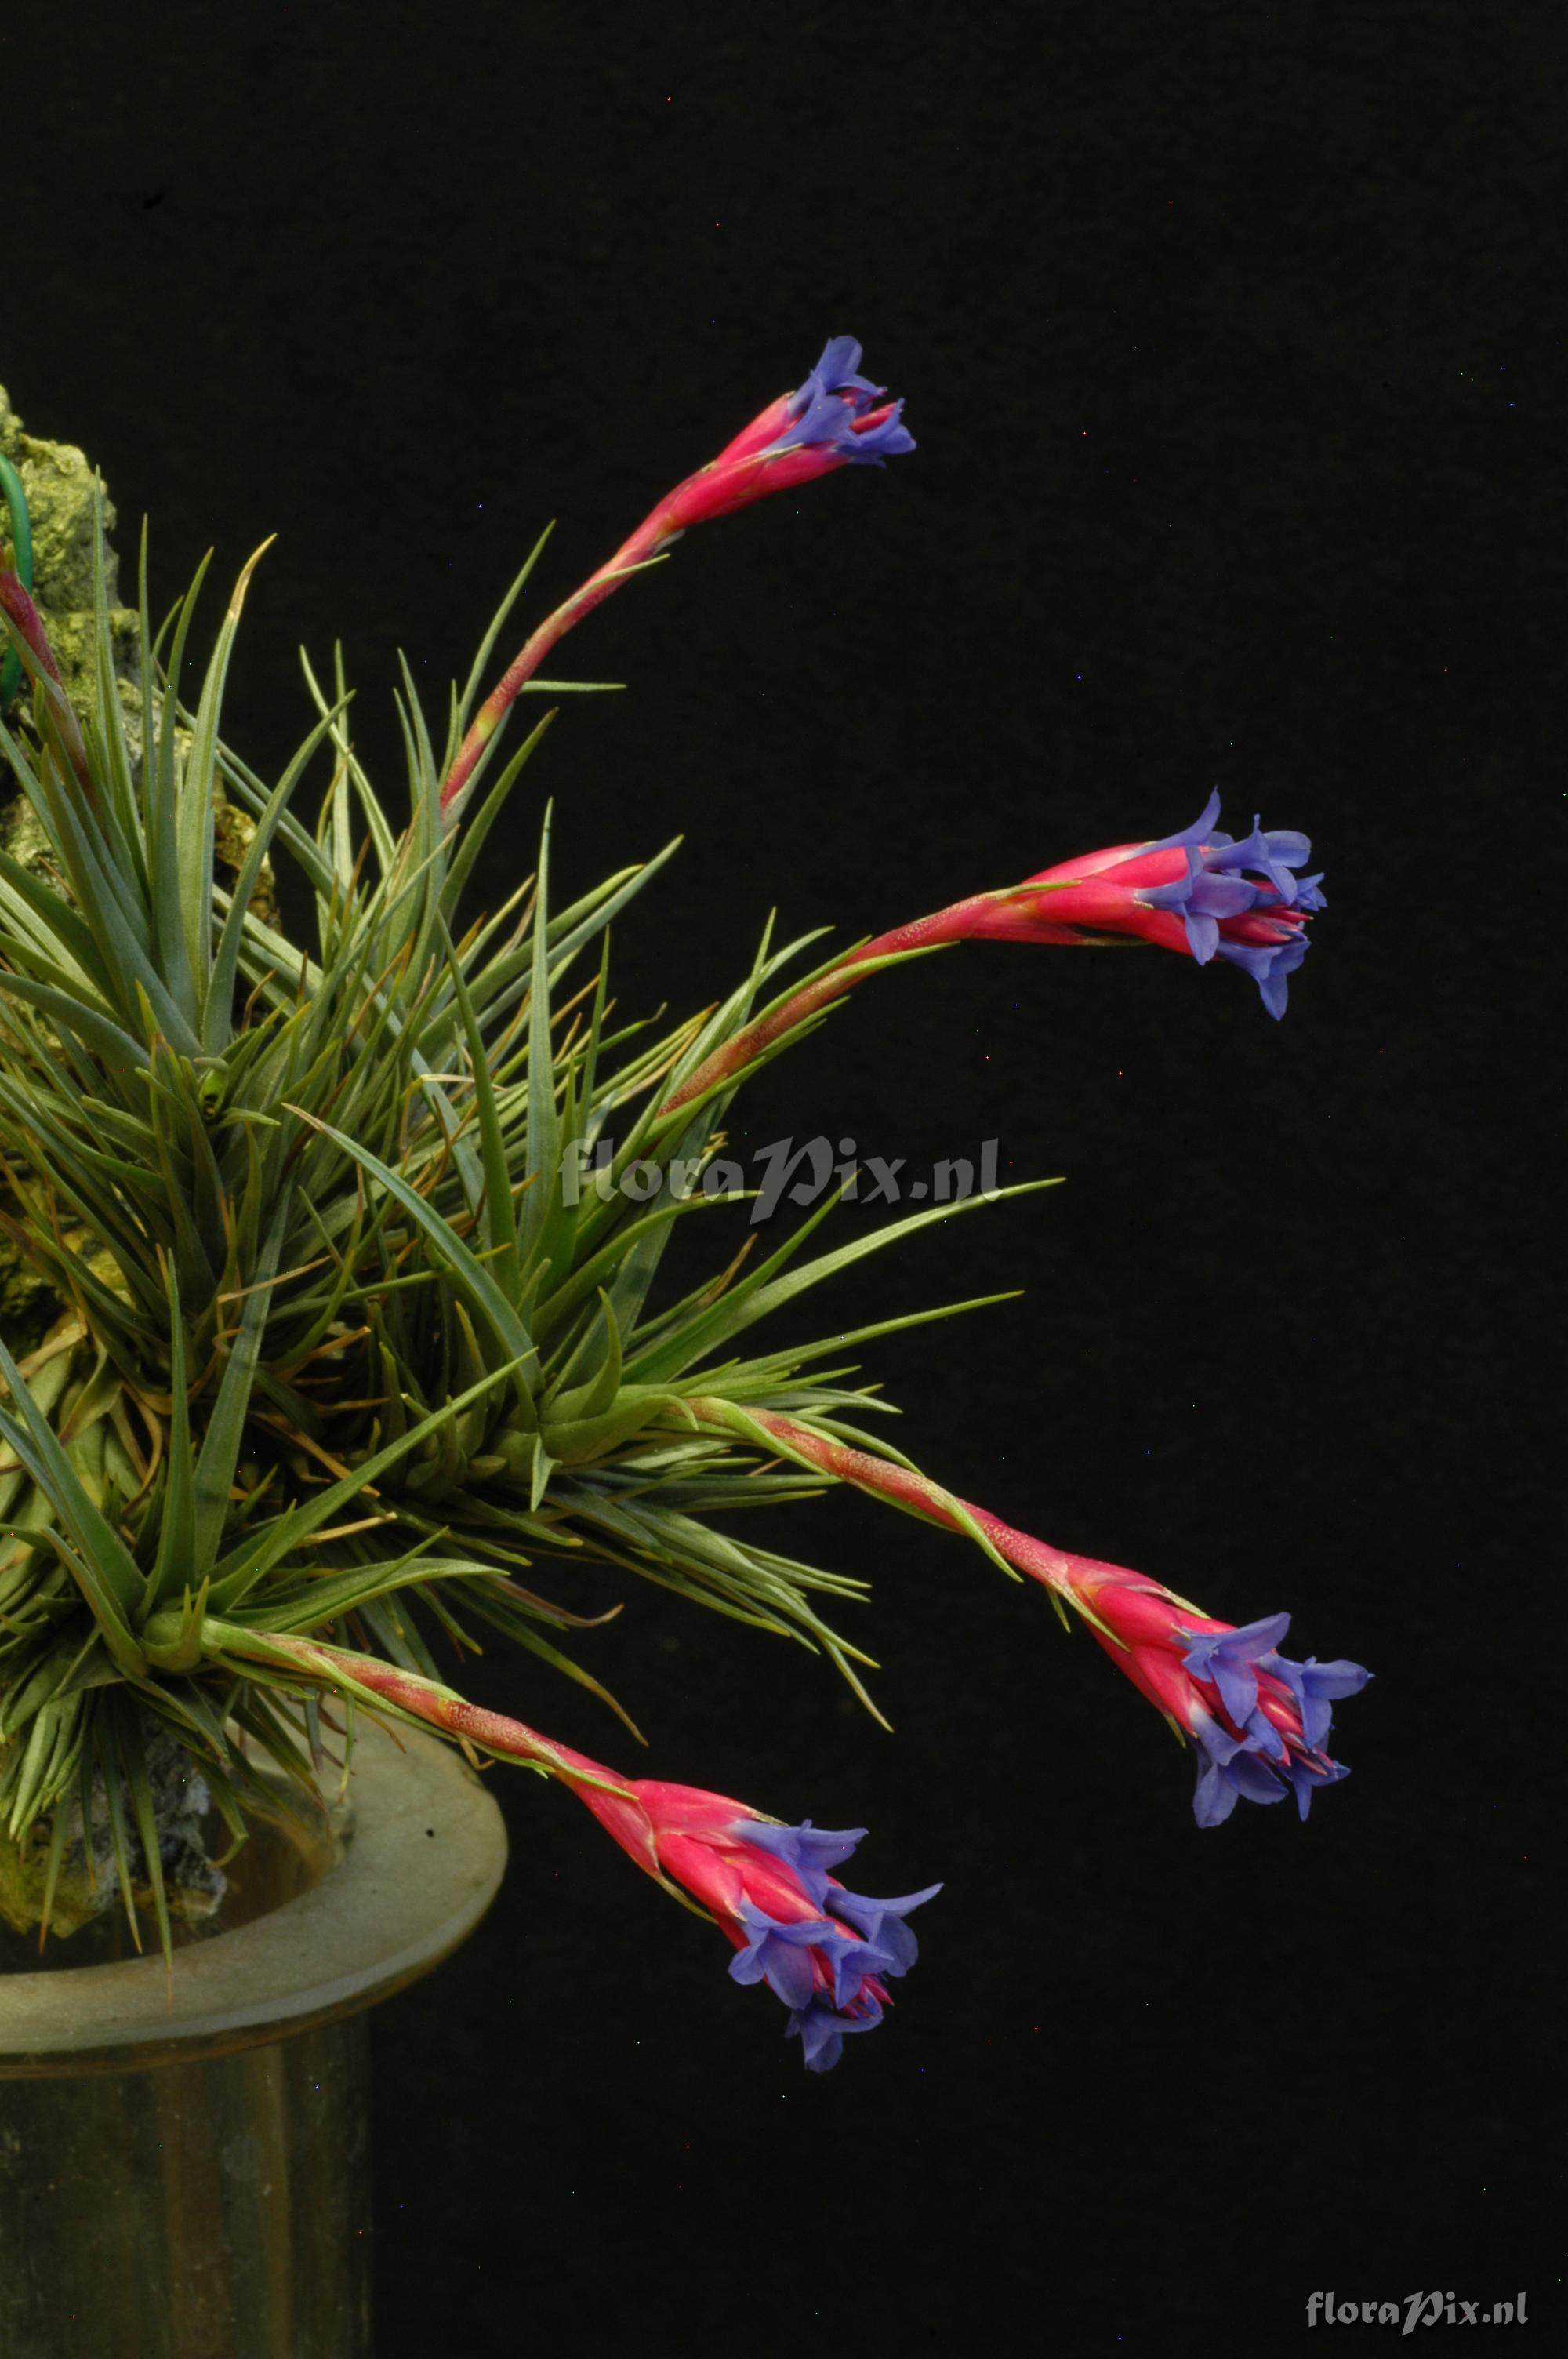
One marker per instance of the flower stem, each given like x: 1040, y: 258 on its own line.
x: 753, y: 1040
x: 903, y: 1487
x: 425, y: 1700
x: 644, y: 546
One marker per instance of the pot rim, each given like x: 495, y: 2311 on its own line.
x: 425, y: 1861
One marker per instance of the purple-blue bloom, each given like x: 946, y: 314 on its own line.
x: 810, y: 1851
x: 1229, y: 913
x: 828, y: 409
x: 1316, y: 1686
x: 828, y: 1969
x: 1279, y: 1715
x: 821, y: 2030
x: 1227, y: 1658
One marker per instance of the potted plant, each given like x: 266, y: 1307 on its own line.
x: 341, y: 1268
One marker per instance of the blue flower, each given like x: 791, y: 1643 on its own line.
x: 821, y: 2029
x: 830, y: 1970
x: 837, y: 407
x: 1279, y: 1714
x: 1241, y: 902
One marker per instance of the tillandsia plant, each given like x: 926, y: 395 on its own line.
x: 345, y: 1316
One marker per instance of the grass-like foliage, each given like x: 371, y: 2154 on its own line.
x: 338, y: 1348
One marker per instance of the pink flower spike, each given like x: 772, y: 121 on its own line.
x: 827, y: 1952
x: 1199, y: 892
x: 834, y: 419
x: 1259, y: 1720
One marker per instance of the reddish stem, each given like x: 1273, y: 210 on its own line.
x: 744, y: 1046
x: 493, y: 1731
x: 650, y: 536
x: 28, y: 623
x: 905, y: 1488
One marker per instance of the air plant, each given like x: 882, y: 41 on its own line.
x: 331, y: 1342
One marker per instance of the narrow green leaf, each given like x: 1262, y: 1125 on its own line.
x: 176, y: 1557
x: 105, y: 1562
x: 471, y: 1280
x: 217, y: 1019
x: 500, y: 1226
x: 755, y: 1298
x: 225, y: 1430
x: 194, y: 817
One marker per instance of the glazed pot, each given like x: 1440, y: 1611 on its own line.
x: 184, y: 2157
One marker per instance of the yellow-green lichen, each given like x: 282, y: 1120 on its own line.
x: 60, y: 484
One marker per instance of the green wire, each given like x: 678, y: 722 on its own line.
x: 22, y: 539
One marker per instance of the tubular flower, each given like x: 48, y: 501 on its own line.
x: 825, y: 1952
x: 835, y: 419
x: 1260, y: 1721
x: 1199, y: 892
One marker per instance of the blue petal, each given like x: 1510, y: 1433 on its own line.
x: 1264, y: 1737
x: 1238, y: 1687
x: 1274, y: 991
x: 1252, y: 1780
x: 853, y: 1963
x: 1306, y: 1778
x: 821, y: 2030
x: 836, y: 369
x: 1249, y: 1640
x: 881, y: 1922
x: 787, y: 1969
x: 1275, y: 851
x: 809, y: 1851
x: 889, y: 439
x: 1200, y: 832
x: 769, y: 1937
x: 1322, y: 1685
x: 1225, y: 1657
x: 1216, y: 1742
x: 1270, y: 964
x: 821, y: 2037
x: 1336, y: 1680
x: 1215, y: 1797
x: 1201, y: 894
x: 1212, y: 896
x: 1203, y: 938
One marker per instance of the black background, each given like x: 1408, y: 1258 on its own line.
x: 1221, y: 332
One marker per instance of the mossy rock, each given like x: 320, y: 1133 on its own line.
x: 58, y: 482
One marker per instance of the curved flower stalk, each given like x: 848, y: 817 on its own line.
x: 834, y: 419
x: 1259, y: 1721
x: 827, y: 1952
x: 1198, y: 892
